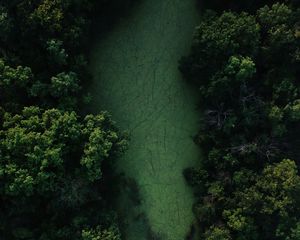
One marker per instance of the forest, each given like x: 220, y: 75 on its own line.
x: 57, y: 158
x: 245, y: 62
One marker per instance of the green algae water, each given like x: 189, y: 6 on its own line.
x: 136, y: 79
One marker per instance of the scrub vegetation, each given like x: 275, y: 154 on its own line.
x: 247, y: 68
x: 55, y: 162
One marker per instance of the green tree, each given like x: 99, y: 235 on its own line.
x: 56, y: 53
x: 98, y: 234
x: 278, y: 31
x: 14, y: 84
x: 54, y: 159
x: 6, y: 25
x: 216, y: 39
x: 217, y: 233
x: 246, y: 68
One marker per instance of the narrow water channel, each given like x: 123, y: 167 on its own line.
x: 137, y: 80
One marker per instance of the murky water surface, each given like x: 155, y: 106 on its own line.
x: 136, y: 79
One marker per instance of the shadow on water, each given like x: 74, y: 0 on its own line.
x: 132, y: 199
x: 110, y: 14
x: 150, y: 234
x: 130, y: 186
x: 191, y: 235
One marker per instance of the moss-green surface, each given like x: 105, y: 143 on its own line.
x: 136, y: 65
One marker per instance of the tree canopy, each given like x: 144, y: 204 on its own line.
x: 246, y: 67
x: 56, y: 159
x: 53, y: 159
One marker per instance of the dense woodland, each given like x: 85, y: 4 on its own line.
x: 246, y: 63
x: 55, y: 161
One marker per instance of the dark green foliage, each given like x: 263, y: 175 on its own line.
x: 14, y: 84
x: 48, y: 37
x: 55, y: 165
x: 218, y: 38
x: 247, y: 70
x: 53, y: 159
x: 237, y: 5
x: 98, y: 234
